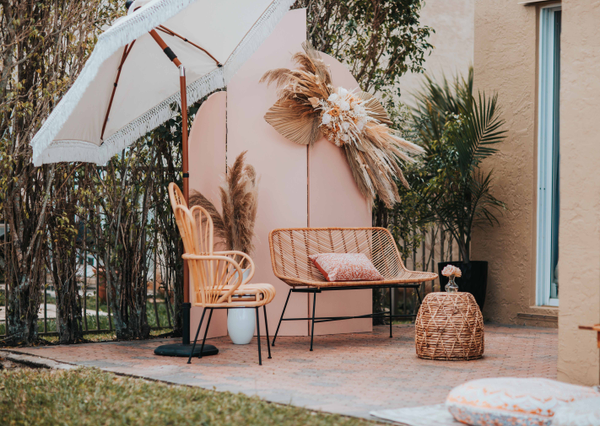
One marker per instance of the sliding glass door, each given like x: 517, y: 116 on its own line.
x: 548, y: 206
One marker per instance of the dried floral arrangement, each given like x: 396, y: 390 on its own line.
x: 239, y: 201
x: 309, y: 105
x: 451, y: 271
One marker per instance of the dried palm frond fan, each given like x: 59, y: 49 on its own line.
x: 239, y: 200
x: 355, y: 121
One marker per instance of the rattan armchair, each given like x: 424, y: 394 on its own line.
x: 291, y: 248
x: 217, y: 276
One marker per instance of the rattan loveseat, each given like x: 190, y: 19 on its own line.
x: 291, y: 248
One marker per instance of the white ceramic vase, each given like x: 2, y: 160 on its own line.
x: 241, y: 322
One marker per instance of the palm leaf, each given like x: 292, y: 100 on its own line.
x: 459, y: 130
x: 292, y: 124
x: 480, y: 132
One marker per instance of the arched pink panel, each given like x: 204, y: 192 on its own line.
x: 207, y: 153
x: 299, y: 186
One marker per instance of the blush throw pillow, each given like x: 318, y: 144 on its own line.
x: 513, y: 401
x: 346, y: 267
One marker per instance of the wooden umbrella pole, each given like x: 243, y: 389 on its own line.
x: 184, y: 133
x: 184, y: 139
x: 185, y: 167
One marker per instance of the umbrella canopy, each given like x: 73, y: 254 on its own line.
x: 128, y: 84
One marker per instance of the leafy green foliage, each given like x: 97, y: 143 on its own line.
x: 93, y: 397
x: 43, y: 45
x: 379, y: 40
x: 459, y: 130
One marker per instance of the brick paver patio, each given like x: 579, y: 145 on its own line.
x: 349, y: 374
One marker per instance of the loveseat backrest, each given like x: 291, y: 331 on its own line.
x: 291, y: 248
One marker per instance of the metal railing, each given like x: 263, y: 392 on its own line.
x: 95, y: 303
x: 94, y: 298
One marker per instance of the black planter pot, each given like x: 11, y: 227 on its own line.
x: 473, y: 280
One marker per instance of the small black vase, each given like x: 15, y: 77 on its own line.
x: 473, y: 280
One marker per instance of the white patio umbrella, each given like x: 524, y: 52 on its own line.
x: 128, y: 85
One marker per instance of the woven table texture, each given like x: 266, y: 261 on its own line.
x: 449, y: 327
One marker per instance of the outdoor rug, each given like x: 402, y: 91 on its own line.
x: 428, y: 415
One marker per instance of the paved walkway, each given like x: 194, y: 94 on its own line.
x: 349, y: 374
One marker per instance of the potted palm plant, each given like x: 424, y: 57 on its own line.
x: 459, y: 130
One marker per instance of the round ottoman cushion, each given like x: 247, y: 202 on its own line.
x: 579, y: 413
x: 512, y: 401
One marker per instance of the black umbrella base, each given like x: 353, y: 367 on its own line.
x: 179, y: 349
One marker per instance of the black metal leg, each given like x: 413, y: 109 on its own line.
x: 197, y: 332
x: 258, y: 336
x: 420, y: 301
x: 391, y: 298
x: 205, y: 332
x: 312, y: 332
x: 267, y: 329
x: 281, y: 318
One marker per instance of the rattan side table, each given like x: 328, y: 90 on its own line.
x: 449, y: 327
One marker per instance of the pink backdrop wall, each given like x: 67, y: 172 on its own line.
x: 299, y: 186
x: 207, y: 153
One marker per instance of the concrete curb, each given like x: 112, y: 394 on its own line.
x: 35, y: 361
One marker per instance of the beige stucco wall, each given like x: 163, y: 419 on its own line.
x: 453, y: 42
x: 579, y: 244
x: 506, y: 40
x: 505, y: 62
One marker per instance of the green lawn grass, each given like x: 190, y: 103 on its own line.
x: 92, y: 397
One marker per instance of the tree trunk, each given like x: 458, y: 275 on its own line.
x: 25, y: 270
x: 69, y: 315
x: 121, y: 240
x: 65, y: 241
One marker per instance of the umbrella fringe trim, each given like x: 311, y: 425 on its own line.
x: 159, y: 114
x: 71, y: 150
x: 150, y: 120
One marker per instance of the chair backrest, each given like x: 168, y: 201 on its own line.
x: 291, y: 247
x: 176, y: 196
x: 200, y: 239
x: 210, y: 272
x: 196, y: 229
